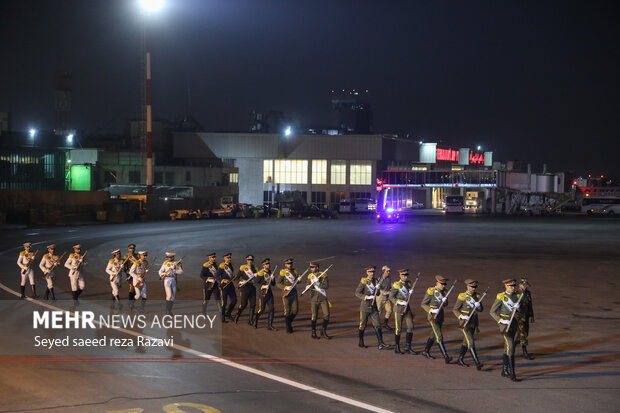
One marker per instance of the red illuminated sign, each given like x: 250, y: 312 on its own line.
x: 447, y: 155
x: 476, y: 157
x: 380, y: 184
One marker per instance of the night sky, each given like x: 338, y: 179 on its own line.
x: 529, y: 80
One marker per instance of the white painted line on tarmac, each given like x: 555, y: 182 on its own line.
x: 32, y: 233
x: 323, y: 259
x: 292, y: 383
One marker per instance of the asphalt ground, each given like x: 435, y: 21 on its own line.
x: 571, y: 262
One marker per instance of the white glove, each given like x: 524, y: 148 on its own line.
x: 504, y: 322
x: 369, y: 298
x: 435, y: 311
x: 444, y: 299
x: 516, y: 306
x: 477, y: 304
x: 288, y: 288
x: 264, y: 287
x: 401, y: 302
x: 464, y: 317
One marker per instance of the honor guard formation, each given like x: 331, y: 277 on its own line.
x: 512, y: 308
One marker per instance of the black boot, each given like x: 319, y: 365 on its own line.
x: 313, y: 325
x: 511, y: 364
x: 289, y: 327
x: 361, y: 337
x: 408, y: 348
x: 237, y: 316
x: 270, y: 323
x: 143, y: 304
x: 117, y: 298
x: 527, y: 355
x: 446, y: 357
x: 292, y: 319
x: 386, y: 326
x: 461, y: 359
x: 505, y: 366
x: 324, y: 330
x: 47, y: 294
x: 251, y: 317
x: 34, y: 291
x: 23, y: 288
x: 426, y: 353
x: 204, y: 308
x: 169, y: 305
x: 476, y: 359
x: 382, y: 345
x: 255, y: 321
x: 397, y: 345
x: 223, y: 310
x: 53, y: 295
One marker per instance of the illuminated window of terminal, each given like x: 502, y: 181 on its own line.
x: 234, y: 178
x: 291, y: 171
x: 339, y: 173
x: 319, y: 171
x: 268, y: 171
x: 419, y: 168
x: 361, y: 172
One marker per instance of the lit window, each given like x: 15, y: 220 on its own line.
x: 291, y: 171
x: 319, y: 172
x: 361, y: 172
x: 268, y: 170
x: 234, y: 178
x: 339, y: 173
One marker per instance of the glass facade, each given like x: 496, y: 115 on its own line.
x: 291, y: 171
x: 339, y: 173
x: 361, y: 173
x: 268, y: 171
x: 319, y: 171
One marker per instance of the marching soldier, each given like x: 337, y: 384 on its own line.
x: 247, y: 288
x: 138, y: 273
x: 285, y: 282
x: 431, y: 302
x: 367, y: 292
x: 466, y: 303
x: 74, y: 263
x: 129, y: 258
x: 525, y: 315
x: 398, y: 296
x: 501, y: 311
x: 383, y: 298
x: 114, y: 268
x: 227, y: 288
x: 48, y: 265
x: 208, y: 274
x: 318, y: 298
x: 168, y: 272
x: 24, y: 261
x: 266, y: 280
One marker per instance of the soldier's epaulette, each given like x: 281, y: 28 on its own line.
x: 477, y: 296
x: 223, y: 265
x: 111, y: 261
x: 500, y: 296
x: 21, y: 254
x: 206, y: 264
x: 243, y: 267
x: 45, y: 255
x: 397, y: 284
x: 462, y: 296
x: 430, y: 291
x: 363, y: 281
x: 72, y: 255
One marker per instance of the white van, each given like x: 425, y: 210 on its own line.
x: 454, y: 204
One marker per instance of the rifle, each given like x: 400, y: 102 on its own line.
x: 214, y: 280
x: 120, y: 268
x: 316, y: 281
x: 434, y: 316
x: 295, y: 283
x: 266, y: 290
x: 140, y: 280
x: 79, y: 261
x: 30, y: 261
x: 463, y: 323
x: 402, y: 310
x: 374, y: 296
x: 228, y: 282
x: 167, y: 273
x: 244, y: 282
x: 54, y: 265
x: 512, y: 315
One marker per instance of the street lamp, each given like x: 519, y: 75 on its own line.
x: 32, y: 133
x: 70, y: 139
x: 149, y: 6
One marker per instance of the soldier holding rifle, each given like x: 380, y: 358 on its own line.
x: 433, y: 303
x: 114, y: 268
x: 247, y: 277
x: 503, y: 311
x: 319, y: 283
x: 48, y: 265
x: 208, y: 274
x: 288, y: 279
x: 266, y: 280
x: 24, y: 261
x: 138, y: 273
x: 400, y: 295
x: 466, y: 309
x: 129, y: 258
x: 74, y: 263
x: 225, y: 278
x: 368, y: 291
x: 168, y: 272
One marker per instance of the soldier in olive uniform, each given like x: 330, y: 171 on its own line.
x: 466, y: 309
x: 525, y: 315
x: 288, y: 277
x: 266, y: 280
x: 398, y: 296
x: 431, y: 302
x: 129, y: 258
x: 208, y: 275
x: 501, y: 311
x: 318, y: 298
x: 247, y: 277
x: 368, y: 292
x: 385, y: 285
x: 227, y: 289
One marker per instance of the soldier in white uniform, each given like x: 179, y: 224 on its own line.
x: 74, y: 263
x: 137, y: 273
x: 48, y: 265
x: 168, y: 272
x: 24, y: 261
x: 114, y: 268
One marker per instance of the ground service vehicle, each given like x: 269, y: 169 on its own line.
x: 454, y: 204
x: 389, y: 214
